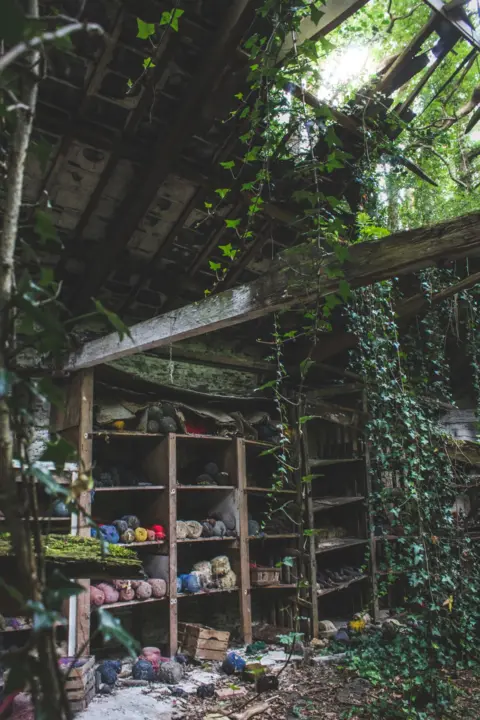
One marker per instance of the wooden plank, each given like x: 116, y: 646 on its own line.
x: 244, y: 579
x: 172, y: 545
x: 371, y: 523
x: 463, y: 28
x: 312, y: 558
x: 298, y: 275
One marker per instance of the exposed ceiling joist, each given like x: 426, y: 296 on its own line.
x: 446, y: 9
x: 298, y: 276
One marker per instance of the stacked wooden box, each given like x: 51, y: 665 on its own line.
x: 80, y: 683
x: 202, y: 643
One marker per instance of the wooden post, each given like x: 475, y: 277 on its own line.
x: 311, y: 540
x: 172, y: 545
x: 244, y: 549
x: 74, y: 422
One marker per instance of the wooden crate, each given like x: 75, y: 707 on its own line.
x: 80, y: 684
x: 202, y: 643
x: 264, y: 576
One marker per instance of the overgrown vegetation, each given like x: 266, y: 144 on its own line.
x: 406, y: 371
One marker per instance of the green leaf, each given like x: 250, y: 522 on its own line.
x: 326, y: 44
x: 232, y: 223
x: 148, y: 63
x: 306, y: 418
x: 171, y: 18
x: 308, y: 478
x: 145, y: 30
x: 111, y: 629
x: 114, y: 320
x: 44, y: 227
x: 228, y: 251
x: 344, y: 289
x: 46, y: 389
x: 214, y: 266
x: 60, y: 588
x: 44, y: 619
x: 288, y: 561
x: 316, y: 14
x: 269, y: 384
x: 48, y: 482
x: 305, y: 366
x: 59, y: 451
x: 223, y: 192
x: 6, y: 382
x: 229, y: 165
x: 129, y: 83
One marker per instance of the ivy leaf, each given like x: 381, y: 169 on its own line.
x: 171, y: 18
x: 316, y: 14
x: 326, y: 44
x: 111, y: 629
x: 232, y: 223
x: 223, y: 192
x: 229, y: 165
x: 305, y: 366
x: 148, y: 63
x: 145, y: 30
x: 214, y: 266
x: 306, y: 418
x: 114, y: 320
x: 288, y: 561
x: 344, y: 289
x: 48, y: 482
x: 59, y: 451
x: 269, y: 384
x: 307, y: 479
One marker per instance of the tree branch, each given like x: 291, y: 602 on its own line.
x: 47, y: 37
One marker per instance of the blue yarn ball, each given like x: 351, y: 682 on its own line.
x: 109, y: 534
x: 192, y: 584
x: 183, y: 579
x: 233, y: 663
x: 143, y: 670
x: 108, y: 672
x: 179, y: 585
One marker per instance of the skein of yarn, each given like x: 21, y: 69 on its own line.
x: 159, y: 587
x: 128, y: 536
x: 97, y: 597
x: 141, y: 534
x: 132, y: 521
x: 110, y: 593
x: 143, y: 590
x: 121, y: 526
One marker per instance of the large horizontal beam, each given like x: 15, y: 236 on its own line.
x: 298, y: 275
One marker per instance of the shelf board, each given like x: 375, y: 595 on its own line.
x: 270, y: 490
x: 205, y: 487
x: 140, y: 544
x: 131, y: 603
x: 327, y: 503
x: 203, y: 437
x: 342, y: 586
x: 47, y: 519
x: 122, y: 433
x: 323, y: 462
x: 207, y: 592
x: 290, y: 586
x: 128, y: 488
x: 261, y: 444
x: 227, y: 538
x: 338, y: 544
x: 279, y: 536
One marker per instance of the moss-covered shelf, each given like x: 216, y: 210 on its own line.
x: 79, y: 557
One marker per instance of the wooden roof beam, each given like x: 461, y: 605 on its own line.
x: 167, y: 149
x: 298, y: 275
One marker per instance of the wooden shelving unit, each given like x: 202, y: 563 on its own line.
x: 335, y: 458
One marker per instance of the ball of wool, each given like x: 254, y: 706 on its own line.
x: 194, y: 529
x: 183, y: 577
x: 211, y: 468
x: 150, y: 535
x: 179, y: 585
x: 60, y: 509
x: 97, y: 597
x: 219, y: 529
x: 228, y: 519
x: 169, y: 410
x: 167, y: 425
x: 203, y: 580
x: 170, y: 673
x: 220, y: 565
x: 153, y: 426
x: 192, y: 583
x: 107, y: 672
x: 132, y: 521
x: 159, y: 587
x: 151, y: 655
x: 110, y: 534
x: 204, y: 570
x: 140, y: 534
x: 121, y: 526
x: 128, y: 536
x: 233, y: 663
x: 227, y: 581
x: 143, y: 670
x: 222, y: 478
x: 143, y: 591
x: 111, y: 594
x: 155, y: 412
x: 127, y: 594
x: 120, y: 584
x: 204, y: 479
x: 159, y: 531
x: 181, y: 529
x: 207, y: 529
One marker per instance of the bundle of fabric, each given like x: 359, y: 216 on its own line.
x: 103, y: 477
x: 194, y: 529
x: 161, y: 419
x: 107, y: 532
x: 204, y: 571
x: 212, y: 475
x: 128, y: 536
x: 125, y: 589
x: 108, y: 671
x: 159, y: 587
x: 254, y: 528
x: 227, y: 581
x: 97, y: 597
x: 151, y: 655
x: 132, y: 521
x: 143, y: 590
x: 220, y: 566
x: 191, y: 583
x: 141, y: 535
x: 143, y: 670
x: 121, y: 526
x: 207, y: 528
x: 227, y: 518
x: 170, y: 672
x: 181, y: 530
x: 213, y: 528
x: 110, y: 593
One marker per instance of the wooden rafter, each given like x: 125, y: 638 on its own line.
x: 167, y: 148
x: 298, y: 275
x: 463, y: 28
